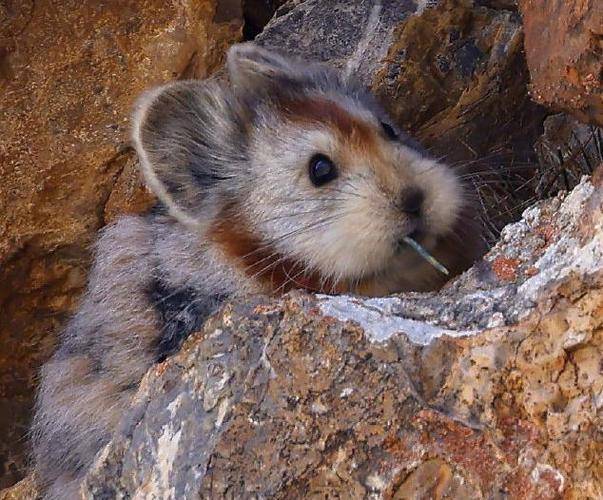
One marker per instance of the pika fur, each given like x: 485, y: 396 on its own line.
x: 291, y: 177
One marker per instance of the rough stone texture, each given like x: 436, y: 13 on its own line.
x: 491, y: 388
x: 564, y: 49
x: 451, y: 72
x: 69, y: 72
x: 25, y: 489
x: 257, y: 13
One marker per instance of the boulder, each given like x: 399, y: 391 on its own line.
x: 69, y: 73
x: 490, y: 388
x: 26, y: 489
x: 564, y: 50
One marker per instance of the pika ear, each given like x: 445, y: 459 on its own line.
x: 187, y: 137
x: 251, y: 66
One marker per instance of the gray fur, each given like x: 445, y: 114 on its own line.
x: 203, y: 148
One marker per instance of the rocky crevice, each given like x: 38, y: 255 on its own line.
x: 490, y: 387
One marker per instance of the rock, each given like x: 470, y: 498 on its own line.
x: 452, y: 74
x: 257, y: 13
x: 490, y: 388
x: 68, y: 76
x: 564, y: 49
x: 26, y: 489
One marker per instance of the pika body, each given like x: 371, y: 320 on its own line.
x: 292, y: 176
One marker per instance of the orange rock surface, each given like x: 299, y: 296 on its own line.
x: 69, y: 72
x: 564, y: 49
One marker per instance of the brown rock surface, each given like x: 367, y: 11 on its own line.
x: 25, y: 489
x: 69, y: 72
x: 491, y: 388
x: 564, y: 49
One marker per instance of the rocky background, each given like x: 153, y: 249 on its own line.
x: 493, y: 387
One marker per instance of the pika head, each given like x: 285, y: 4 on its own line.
x: 298, y: 175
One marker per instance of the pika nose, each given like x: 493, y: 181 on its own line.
x: 411, y: 201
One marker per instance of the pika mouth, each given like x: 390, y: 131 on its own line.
x: 415, y: 232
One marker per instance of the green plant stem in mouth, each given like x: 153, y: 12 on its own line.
x: 425, y: 255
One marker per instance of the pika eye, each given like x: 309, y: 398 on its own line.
x: 321, y: 170
x: 389, y: 131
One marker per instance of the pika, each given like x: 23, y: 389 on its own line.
x: 290, y: 177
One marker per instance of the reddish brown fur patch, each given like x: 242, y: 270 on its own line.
x: 358, y: 139
x: 319, y: 110
x: 357, y: 135
x: 261, y: 262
